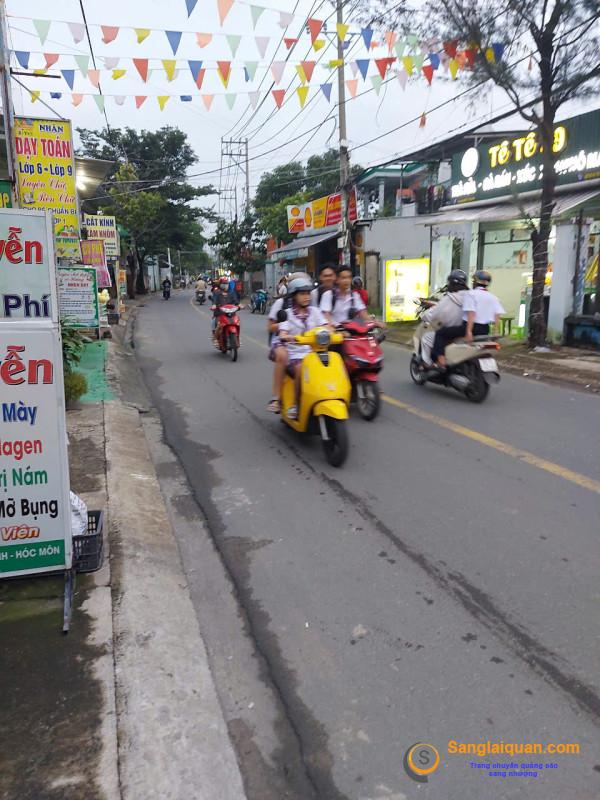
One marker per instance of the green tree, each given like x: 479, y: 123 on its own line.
x: 240, y: 244
x: 279, y: 183
x: 273, y: 219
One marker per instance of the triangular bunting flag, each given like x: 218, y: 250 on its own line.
x: 140, y: 99
x: 203, y: 39
x: 262, y: 42
x: 195, y: 69
x: 224, y: 71
x: 111, y: 62
x: 118, y: 73
x: 423, y: 120
x: 289, y: 43
x: 408, y: 64
x: 309, y: 68
x: 185, y: 98
x: 434, y: 60
x: 253, y: 98
x: 256, y: 12
x: 489, y: 54
x: 402, y: 79
x: 383, y: 64
x: 285, y: 19
x: 428, y: 72
x: 390, y: 39
x: 277, y: 68
x: 76, y: 99
x: 230, y: 100
x: 34, y: 94
x: 141, y: 64
x: 367, y: 35
x: 302, y: 94
x: 224, y: 7
x: 234, y: 43
x: 190, y: 5
x: 352, y: 87
x: 319, y: 44
x: 471, y: 55
x: 94, y: 77
x: 462, y: 59
x: 99, y: 100
x: 418, y: 60
x: 69, y: 76
x: 142, y: 34
x: 83, y: 64
x: 400, y: 48
x: 301, y: 73
x: 451, y: 47
x: 169, y: 66
x: 354, y: 69
x: 363, y: 66
x: 22, y: 57
x: 412, y: 40
x: 377, y: 82
x: 342, y: 30
x: 174, y: 38
x: 109, y: 33
x: 207, y: 99
x: 498, y: 49
x: 250, y: 67
x: 336, y: 62
x: 278, y: 95
x: 39, y: 71
x: 326, y: 89
x: 56, y: 95
x: 77, y: 31
x: 42, y: 27
x: 120, y: 99
x: 51, y: 58
x: 314, y: 26
x: 453, y: 65
x: 162, y: 100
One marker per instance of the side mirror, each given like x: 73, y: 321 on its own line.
x: 282, y: 315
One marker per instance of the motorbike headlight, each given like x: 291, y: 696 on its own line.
x: 323, y: 338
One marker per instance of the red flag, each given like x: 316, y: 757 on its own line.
x: 200, y: 78
x: 423, y: 121
x: 314, y: 26
x: 451, y: 47
x: 278, y: 95
x: 383, y: 64
x: 51, y: 58
x: 289, y: 43
x: 428, y: 72
x: 309, y: 68
x: 224, y: 69
x: 470, y: 55
x: 139, y: 100
x: 109, y: 33
x: 141, y: 64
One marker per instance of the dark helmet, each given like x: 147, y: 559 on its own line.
x: 357, y: 282
x: 482, y: 278
x: 457, y: 280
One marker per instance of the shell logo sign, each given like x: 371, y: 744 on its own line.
x: 320, y: 213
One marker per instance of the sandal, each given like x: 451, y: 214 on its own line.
x: 274, y: 406
x: 292, y: 413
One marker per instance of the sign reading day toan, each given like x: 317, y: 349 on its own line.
x: 510, y: 166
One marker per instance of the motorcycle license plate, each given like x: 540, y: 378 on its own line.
x: 488, y: 365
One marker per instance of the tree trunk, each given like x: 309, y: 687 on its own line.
x: 140, y: 285
x: 131, y: 273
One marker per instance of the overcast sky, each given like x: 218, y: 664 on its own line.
x: 269, y: 130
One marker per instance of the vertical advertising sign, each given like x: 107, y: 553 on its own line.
x: 78, y: 297
x: 406, y: 280
x: 103, y: 227
x: 92, y: 255
x: 34, y: 470
x: 46, y: 176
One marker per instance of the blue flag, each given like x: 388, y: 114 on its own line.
x: 363, y: 66
x: 367, y: 34
x: 23, y: 58
x: 326, y: 89
x: 174, y: 38
x: 69, y: 76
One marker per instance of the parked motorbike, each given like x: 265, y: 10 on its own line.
x: 324, y: 395
x: 227, y: 332
x: 470, y: 366
x: 258, y: 301
x: 363, y: 358
x: 200, y: 296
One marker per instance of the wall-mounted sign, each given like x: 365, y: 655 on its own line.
x: 46, y: 175
x: 103, y: 226
x: 406, y: 280
x: 509, y: 166
x: 27, y: 288
x: 78, y: 296
x: 92, y: 255
x: 35, y: 528
x: 320, y: 213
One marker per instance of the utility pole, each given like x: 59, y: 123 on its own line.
x: 344, y: 160
x: 234, y: 155
x: 7, y: 105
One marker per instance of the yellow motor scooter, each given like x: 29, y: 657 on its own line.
x: 324, y: 394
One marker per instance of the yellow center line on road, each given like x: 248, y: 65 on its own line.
x: 481, y: 438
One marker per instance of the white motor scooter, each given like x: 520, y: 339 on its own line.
x: 470, y: 366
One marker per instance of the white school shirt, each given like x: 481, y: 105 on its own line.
x: 294, y: 325
x: 343, y: 304
x: 485, y: 305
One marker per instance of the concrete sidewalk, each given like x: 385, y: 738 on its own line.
x: 124, y: 707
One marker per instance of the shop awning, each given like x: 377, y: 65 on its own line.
x: 299, y: 247
x: 563, y: 204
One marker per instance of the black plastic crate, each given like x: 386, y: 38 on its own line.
x: 88, y: 549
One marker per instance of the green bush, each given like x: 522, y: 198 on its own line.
x: 75, y: 385
x: 73, y: 342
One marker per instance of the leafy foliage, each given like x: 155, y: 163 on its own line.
x: 73, y: 343
x: 76, y: 386
x: 240, y: 244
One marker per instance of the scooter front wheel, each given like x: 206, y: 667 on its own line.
x: 415, y: 373
x: 335, y: 446
x: 233, y: 347
x: 367, y: 399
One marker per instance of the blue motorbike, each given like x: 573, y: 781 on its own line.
x: 258, y: 301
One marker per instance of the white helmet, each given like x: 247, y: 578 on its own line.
x: 299, y: 285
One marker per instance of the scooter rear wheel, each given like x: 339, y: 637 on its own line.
x: 415, y: 373
x: 336, y: 446
x: 368, y: 399
x: 478, y: 388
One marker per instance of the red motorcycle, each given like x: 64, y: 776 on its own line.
x: 363, y: 358
x: 227, y: 332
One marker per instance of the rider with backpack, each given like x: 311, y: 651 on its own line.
x: 342, y: 303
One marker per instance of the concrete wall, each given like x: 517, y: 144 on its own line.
x: 392, y: 238
x: 561, y: 295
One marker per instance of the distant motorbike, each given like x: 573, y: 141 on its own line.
x: 363, y: 359
x: 258, y: 301
x: 227, y: 332
x: 166, y: 292
x: 200, y: 296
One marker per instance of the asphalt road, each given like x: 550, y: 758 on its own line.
x: 442, y: 585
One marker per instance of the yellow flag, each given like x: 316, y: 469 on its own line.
x: 408, y: 64
x: 337, y: 62
x: 453, y: 66
x: 318, y: 44
x: 301, y: 73
x: 169, y: 65
x: 489, y: 54
x: 302, y: 94
x: 118, y: 73
x: 342, y: 30
x: 142, y: 33
x: 162, y: 100
x: 34, y: 95
x: 40, y: 71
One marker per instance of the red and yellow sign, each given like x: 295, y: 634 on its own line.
x: 46, y: 177
x: 320, y: 213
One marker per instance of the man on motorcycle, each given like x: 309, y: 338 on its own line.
x: 341, y: 304
x: 201, y: 284
x: 447, y: 313
x: 222, y: 297
x: 480, y: 310
x: 301, y: 317
x: 327, y: 276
